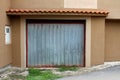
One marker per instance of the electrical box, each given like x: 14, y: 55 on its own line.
x: 7, y: 34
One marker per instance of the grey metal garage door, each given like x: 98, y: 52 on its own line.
x: 55, y: 44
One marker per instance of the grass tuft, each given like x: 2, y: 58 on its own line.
x: 64, y: 68
x: 36, y: 74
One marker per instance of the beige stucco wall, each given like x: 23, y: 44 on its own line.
x: 94, y: 30
x: 112, y: 40
x: 97, y: 40
x: 16, y: 48
x: 91, y: 4
x: 113, y: 6
x: 19, y: 37
x: 5, y: 50
x: 94, y: 36
x: 36, y: 4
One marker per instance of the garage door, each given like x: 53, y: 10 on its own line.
x: 55, y: 44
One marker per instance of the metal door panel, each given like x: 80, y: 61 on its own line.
x: 55, y: 44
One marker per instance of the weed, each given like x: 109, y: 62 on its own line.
x: 64, y: 68
x: 36, y: 74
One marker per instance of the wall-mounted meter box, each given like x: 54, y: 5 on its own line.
x: 7, y: 34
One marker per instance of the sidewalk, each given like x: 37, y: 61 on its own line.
x: 111, y: 73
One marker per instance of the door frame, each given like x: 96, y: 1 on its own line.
x: 33, y: 21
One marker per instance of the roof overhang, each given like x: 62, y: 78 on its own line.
x: 81, y: 12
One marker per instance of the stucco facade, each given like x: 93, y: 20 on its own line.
x: 101, y: 32
x: 19, y: 38
x: 5, y: 50
x: 97, y: 40
x: 111, y: 6
x: 112, y: 40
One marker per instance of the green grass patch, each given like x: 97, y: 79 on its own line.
x: 37, y: 74
x: 64, y: 68
x: 34, y: 72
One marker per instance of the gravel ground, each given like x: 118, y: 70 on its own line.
x: 101, y: 71
x: 13, y: 71
x: 111, y: 73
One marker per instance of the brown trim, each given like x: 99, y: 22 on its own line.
x: 26, y: 45
x: 54, y: 66
x: 38, y: 21
x: 84, y: 44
